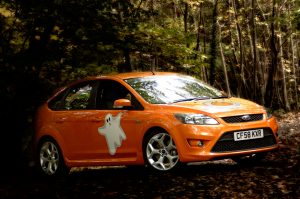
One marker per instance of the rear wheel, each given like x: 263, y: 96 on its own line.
x: 160, y: 151
x: 50, y: 159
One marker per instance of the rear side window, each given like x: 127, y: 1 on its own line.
x: 78, y: 97
x: 56, y: 102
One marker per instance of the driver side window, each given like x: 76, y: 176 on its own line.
x: 109, y: 91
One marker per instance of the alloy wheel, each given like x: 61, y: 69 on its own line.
x: 161, y: 152
x: 49, y: 158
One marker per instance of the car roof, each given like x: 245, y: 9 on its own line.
x: 141, y: 74
x: 121, y: 76
x: 130, y: 75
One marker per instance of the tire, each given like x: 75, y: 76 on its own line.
x: 160, y: 152
x: 253, y: 158
x: 50, y: 159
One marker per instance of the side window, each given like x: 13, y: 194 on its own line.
x: 79, y: 97
x: 56, y: 102
x: 109, y: 91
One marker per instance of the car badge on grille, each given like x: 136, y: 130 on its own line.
x: 246, y: 117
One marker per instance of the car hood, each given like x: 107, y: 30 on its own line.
x: 223, y: 107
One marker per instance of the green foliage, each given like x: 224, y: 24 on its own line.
x: 169, y: 43
x: 55, y: 42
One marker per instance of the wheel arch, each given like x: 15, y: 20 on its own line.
x: 171, y: 131
x: 149, y: 131
x: 61, y: 168
x: 43, y: 139
x: 51, y: 134
x: 154, y: 128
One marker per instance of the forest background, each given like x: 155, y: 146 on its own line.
x: 248, y: 48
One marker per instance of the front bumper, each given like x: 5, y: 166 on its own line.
x: 214, y: 146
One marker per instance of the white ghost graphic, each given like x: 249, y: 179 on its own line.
x: 113, y: 132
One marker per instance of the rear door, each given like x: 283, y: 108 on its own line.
x: 75, y: 118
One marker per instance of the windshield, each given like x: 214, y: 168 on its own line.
x: 158, y: 89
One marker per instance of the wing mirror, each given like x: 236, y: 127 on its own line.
x: 121, y: 103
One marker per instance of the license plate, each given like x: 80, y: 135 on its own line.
x: 248, y: 135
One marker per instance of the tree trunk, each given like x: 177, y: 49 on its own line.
x: 223, y: 61
x: 240, y: 44
x: 174, y: 10
x: 257, y: 76
x: 213, y: 46
x: 285, y: 96
x: 294, y: 74
x: 185, y: 17
x: 197, y: 48
x: 204, y: 35
x: 293, y: 65
x: 126, y: 66
x: 234, y: 66
x: 274, y: 63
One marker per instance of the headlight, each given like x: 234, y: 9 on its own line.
x: 269, y: 112
x: 196, y: 119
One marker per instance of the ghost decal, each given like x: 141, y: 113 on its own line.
x: 113, y: 132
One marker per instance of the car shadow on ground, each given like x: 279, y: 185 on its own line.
x: 213, y: 179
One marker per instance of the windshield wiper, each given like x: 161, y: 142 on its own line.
x: 220, y: 97
x: 191, y: 99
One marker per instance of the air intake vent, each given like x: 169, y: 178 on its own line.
x: 227, y: 144
x: 243, y: 118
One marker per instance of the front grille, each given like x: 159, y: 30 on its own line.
x: 227, y: 144
x: 243, y: 118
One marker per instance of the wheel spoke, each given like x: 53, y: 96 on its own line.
x: 50, y: 168
x: 159, y: 139
x: 171, y: 145
x: 44, y: 159
x: 53, y: 167
x: 151, y: 150
x: 160, y: 163
x: 161, y: 152
x: 49, y: 158
x: 172, y: 159
x: 48, y: 151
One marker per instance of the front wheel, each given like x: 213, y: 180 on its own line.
x: 160, y: 151
x: 50, y: 159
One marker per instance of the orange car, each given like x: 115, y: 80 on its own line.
x: 158, y: 119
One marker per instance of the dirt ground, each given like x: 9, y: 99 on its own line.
x: 278, y: 176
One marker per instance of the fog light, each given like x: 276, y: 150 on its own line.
x: 200, y: 143
x: 197, y: 143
